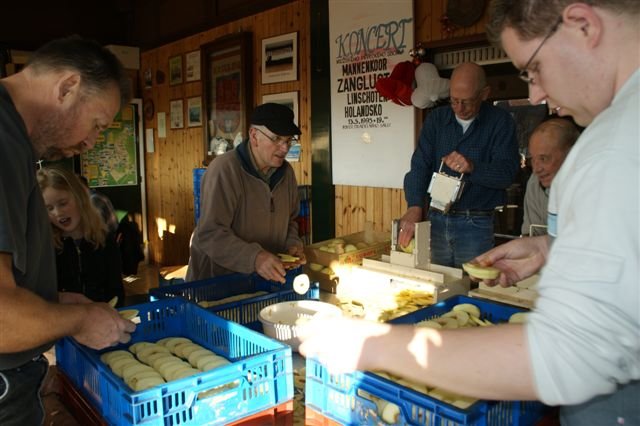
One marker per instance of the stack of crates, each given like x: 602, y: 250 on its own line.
x: 346, y: 399
x: 259, y: 377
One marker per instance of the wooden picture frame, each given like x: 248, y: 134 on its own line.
x: 280, y: 58
x: 288, y: 99
x: 227, y: 90
x: 176, y: 114
x: 192, y: 66
x: 194, y: 111
x: 175, y: 70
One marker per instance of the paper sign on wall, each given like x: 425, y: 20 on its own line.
x: 372, y: 138
x: 162, y: 124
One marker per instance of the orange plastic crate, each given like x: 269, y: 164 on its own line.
x: 313, y: 418
x: 87, y: 415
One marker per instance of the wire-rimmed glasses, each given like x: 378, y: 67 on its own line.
x: 280, y: 140
x: 524, y: 73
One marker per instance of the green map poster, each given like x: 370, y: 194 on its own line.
x: 113, y: 161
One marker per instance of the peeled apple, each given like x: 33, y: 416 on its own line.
x: 391, y: 413
x: 468, y: 308
x: 315, y: 266
x: 518, y: 318
x: 287, y: 257
x: 128, y: 314
x: 481, y: 272
x: 409, y: 248
x: 349, y: 248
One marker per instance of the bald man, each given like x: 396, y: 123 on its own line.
x: 549, y: 145
x: 470, y: 138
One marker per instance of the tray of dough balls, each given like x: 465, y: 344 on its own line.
x: 184, y: 365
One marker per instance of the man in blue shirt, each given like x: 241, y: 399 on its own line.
x: 472, y: 138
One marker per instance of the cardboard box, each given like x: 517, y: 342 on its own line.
x: 377, y: 244
x: 372, y: 245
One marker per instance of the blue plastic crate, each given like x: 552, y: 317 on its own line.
x: 245, y: 311
x: 492, y: 311
x: 345, y: 398
x: 259, y: 377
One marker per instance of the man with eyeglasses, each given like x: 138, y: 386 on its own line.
x: 580, y: 346
x: 470, y: 138
x: 549, y: 145
x: 250, y: 203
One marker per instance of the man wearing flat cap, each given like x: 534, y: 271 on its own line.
x: 250, y: 203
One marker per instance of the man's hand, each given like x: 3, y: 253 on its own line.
x: 270, y: 267
x: 408, y: 225
x: 458, y: 162
x: 517, y: 259
x: 66, y: 297
x: 340, y: 343
x: 103, y: 328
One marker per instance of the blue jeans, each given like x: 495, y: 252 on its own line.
x: 619, y: 408
x: 458, y: 239
x: 20, y: 402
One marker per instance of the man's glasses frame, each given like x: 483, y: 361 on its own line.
x: 465, y: 103
x: 524, y: 73
x: 280, y: 140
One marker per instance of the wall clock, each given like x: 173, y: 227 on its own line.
x: 148, y: 109
x: 464, y: 13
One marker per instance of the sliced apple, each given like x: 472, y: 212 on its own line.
x: 481, y: 272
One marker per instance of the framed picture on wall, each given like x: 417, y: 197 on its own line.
x: 176, y: 114
x: 192, y: 67
x: 280, y: 58
x: 194, y: 112
x: 288, y: 99
x: 175, y: 70
x: 227, y: 91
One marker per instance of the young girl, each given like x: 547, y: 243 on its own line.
x: 88, y: 257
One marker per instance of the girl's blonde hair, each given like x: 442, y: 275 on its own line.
x: 94, y: 230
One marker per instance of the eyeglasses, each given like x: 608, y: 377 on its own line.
x: 524, y: 74
x: 280, y: 140
x: 462, y: 102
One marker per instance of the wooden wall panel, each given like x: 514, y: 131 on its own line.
x: 169, y: 168
x: 352, y: 202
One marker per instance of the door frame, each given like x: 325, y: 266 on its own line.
x: 142, y: 176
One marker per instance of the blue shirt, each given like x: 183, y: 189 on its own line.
x: 490, y: 144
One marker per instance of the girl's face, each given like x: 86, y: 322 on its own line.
x: 63, y: 211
